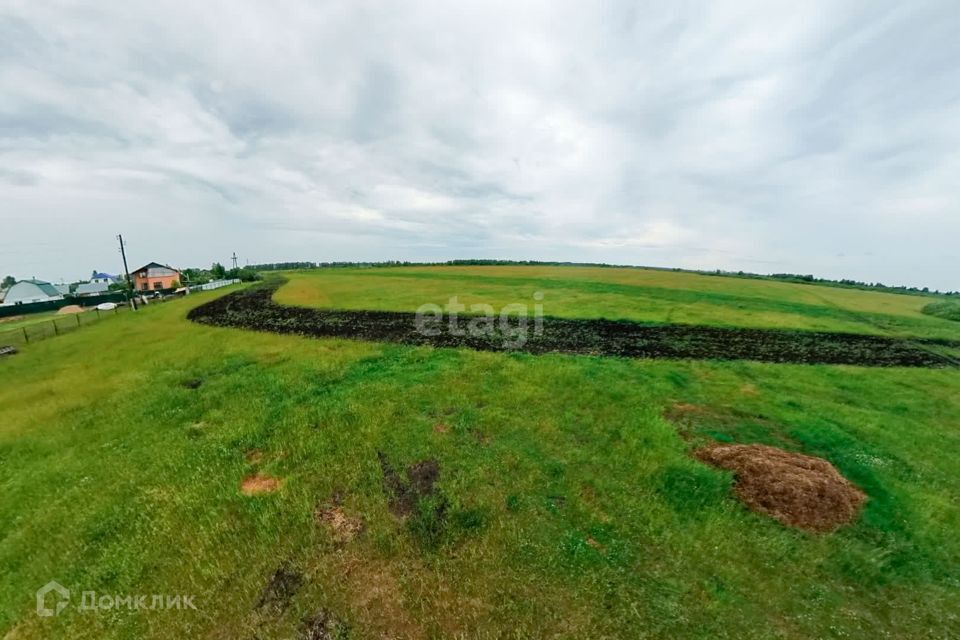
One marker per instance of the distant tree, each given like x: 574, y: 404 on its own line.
x: 8, y: 282
x: 246, y: 274
x: 194, y: 277
x: 275, y: 266
x: 217, y: 271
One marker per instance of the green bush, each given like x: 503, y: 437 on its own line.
x: 946, y: 309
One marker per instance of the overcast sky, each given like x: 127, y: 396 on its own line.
x: 812, y: 137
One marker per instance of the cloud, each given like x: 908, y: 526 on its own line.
x: 817, y: 137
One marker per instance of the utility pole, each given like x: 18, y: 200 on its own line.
x: 234, y: 258
x: 126, y: 271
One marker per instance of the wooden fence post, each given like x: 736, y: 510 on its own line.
x: 26, y: 340
x: 78, y: 319
x: 56, y: 331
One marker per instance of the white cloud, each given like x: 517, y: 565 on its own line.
x: 766, y: 136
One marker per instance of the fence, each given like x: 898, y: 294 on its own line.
x: 55, y: 326
x: 215, y: 284
x: 52, y: 305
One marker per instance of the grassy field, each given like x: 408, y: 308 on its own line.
x: 16, y: 322
x: 625, y: 294
x: 19, y: 330
x: 573, y: 507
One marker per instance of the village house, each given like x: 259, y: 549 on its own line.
x: 155, y: 277
x: 92, y: 289
x: 27, y: 291
x: 98, y: 277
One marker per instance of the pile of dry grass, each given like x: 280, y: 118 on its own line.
x: 70, y: 308
x: 799, y: 491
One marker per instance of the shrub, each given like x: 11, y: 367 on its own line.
x: 946, y: 309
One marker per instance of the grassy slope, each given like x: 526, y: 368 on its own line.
x: 17, y: 331
x: 15, y: 322
x: 575, y: 510
x: 632, y: 294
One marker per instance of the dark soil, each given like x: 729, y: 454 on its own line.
x: 404, y: 494
x: 254, y: 308
x: 283, y: 585
x: 797, y: 490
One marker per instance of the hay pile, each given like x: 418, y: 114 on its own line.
x: 799, y: 491
x: 70, y: 308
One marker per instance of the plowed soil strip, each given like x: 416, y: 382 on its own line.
x: 254, y: 309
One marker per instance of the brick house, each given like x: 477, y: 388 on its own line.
x: 154, y: 277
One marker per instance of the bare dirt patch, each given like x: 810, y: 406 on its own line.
x: 323, y: 625
x: 404, y: 493
x: 441, y: 428
x: 259, y: 484
x: 376, y: 588
x: 480, y: 436
x: 11, y: 319
x: 596, y: 545
x: 253, y: 456
x: 343, y: 527
x: 797, y: 490
x: 281, y: 588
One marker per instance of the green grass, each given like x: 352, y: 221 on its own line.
x: 628, y: 294
x: 10, y: 323
x: 17, y: 331
x: 573, y: 507
x: 946, y: 309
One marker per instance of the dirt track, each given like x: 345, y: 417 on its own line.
x: 254, y: 309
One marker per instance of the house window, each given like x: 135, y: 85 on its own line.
x: 158, y: 285
x: 145, y: 286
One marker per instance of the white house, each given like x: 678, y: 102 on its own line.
x: 103, y: 278
x: 26, y: 291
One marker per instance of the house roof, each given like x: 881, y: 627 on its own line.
x: 46, y: 287
x: 100, y: 275
x: 155, y: 264
x: 91, y: 287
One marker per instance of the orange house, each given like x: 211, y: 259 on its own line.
x: 155, y: 276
